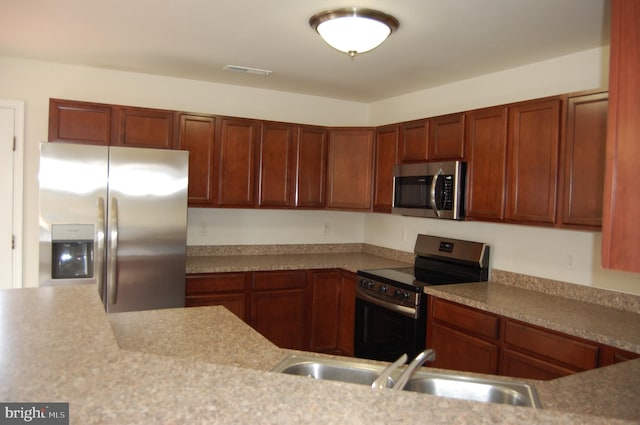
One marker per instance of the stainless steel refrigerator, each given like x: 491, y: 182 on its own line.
x: 115, y: 218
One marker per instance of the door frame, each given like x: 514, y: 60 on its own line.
x: 18, y: 185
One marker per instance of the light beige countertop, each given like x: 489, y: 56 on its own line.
x: 57, y: 345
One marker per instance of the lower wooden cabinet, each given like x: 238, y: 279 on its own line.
x: 279, y: 306
x: 226, y: 289
x: 333, y: 312
x: 469, y: 339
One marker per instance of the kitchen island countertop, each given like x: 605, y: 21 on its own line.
x: 57, y: 344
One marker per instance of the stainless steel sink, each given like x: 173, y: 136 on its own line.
x: 452, y: 385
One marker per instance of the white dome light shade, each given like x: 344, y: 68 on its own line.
x: 353, y: 31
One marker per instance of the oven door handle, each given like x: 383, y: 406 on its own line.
x: 404, y: 310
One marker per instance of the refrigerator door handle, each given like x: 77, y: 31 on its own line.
x: 112, y: 280
x: 100, y: 258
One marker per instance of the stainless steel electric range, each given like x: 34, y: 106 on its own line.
x: 391, y: 307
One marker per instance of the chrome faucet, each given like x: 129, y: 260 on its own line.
x: 426, y: 355
x: 382, y: 380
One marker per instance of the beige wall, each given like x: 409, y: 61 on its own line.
x: 516, y: 248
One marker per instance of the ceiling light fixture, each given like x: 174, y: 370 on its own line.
x: 354, y: 30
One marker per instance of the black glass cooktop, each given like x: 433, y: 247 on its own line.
x: 418, y: 278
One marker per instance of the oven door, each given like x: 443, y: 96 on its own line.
x: 384, y: 334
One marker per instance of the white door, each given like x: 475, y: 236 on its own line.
x: 11, y: 122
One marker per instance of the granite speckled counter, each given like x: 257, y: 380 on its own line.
x: 181, y: 366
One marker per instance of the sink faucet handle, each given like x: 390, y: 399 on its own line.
x: 426, y: 355
x: 381, y: 381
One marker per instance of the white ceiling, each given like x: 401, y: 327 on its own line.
x: 439, y: 41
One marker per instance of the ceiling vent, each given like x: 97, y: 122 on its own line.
x: 247, y: 70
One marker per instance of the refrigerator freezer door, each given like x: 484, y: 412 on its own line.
x: 147, y: 222
x: 73, y: 181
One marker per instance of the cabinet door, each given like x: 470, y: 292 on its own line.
x: 460, y: 351
x: 532, y: 173
x: 350, y: 169
x: 564, y: 351
x: 620, y: 224
x: 311, y: 167
x: 226, y: 289
x: 280, y: 306
x: 486, y: 146
x: 385, y: 159
x: 325, y: 311
x: 333, y: 312
x: 583, y: 160
x: 519, y: 365
x: 446, y: 137
x: 276, y: 159
x: 197, y: 135
x: 346, y: 332
x: 413, y: 144
x: 236, y: 156
x: 79, y: 122
x: 146, y: 128
x: 611, y: 355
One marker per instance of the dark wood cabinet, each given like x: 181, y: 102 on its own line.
x: 350, y: 168
x: 80, y: 122
x: 469, y: 339
x: 446, y: 137
x: 537, y: 353
x: 279, y: 307
x: 620, y: 225
x: 413, y: 144
x: 333, y: 312
x: 532, y: 172
x: 236, y: 160
x: 486, y: 152
x: 583, y: 161
x: 226, y: 289
x: 276, y: 160
x: 197, y: 135
x: 145, y: 128
x: 311, y: 167
x: 462, y: 337
x: 386, y: 156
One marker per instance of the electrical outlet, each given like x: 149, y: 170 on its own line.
x: 204, y: 231
x: 326, y: 229
x: 571, y: 259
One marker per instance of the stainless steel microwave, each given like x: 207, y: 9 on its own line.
x: 429, y: 189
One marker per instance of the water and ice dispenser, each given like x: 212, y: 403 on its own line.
x: 72, y: 251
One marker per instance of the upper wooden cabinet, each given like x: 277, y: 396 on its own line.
x: 583, y: 161
x: 276, y: 162
x: 145, y: 128
x: 386, y: 156
x: 350, y: 168
x: 80, y: 122
x: 311, y: 167
x: 446, y: 137
x: 486, y: 152
x: 620, y: 224
x: 197, y: 135
x: 100, y: 124
x: 413, y: 143
x: 533, y: 148
x: 236, y: 159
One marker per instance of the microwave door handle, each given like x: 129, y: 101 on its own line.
x: 434, y: 184
x: 100, y: 257
x: 112, y: 280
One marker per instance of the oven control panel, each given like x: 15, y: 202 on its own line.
x: 389, y: 293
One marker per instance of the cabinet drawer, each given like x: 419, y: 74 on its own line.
x: 466, y: 318
x: 551, y: 345
x: 279, y: 280
x: 215, y: 283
